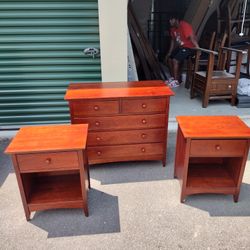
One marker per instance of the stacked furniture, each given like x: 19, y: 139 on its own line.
x: 127, y: 120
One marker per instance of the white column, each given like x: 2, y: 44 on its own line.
x: 113, y: 39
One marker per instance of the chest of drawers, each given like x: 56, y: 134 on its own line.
x: 127, y: 120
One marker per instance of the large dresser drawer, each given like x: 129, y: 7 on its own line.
x: 144, y: 105
x: 94, y: 108
x: 125, y: 152
x: 126, y: 137
x: 124, y: 122
x: 218, y: 148
x: 47, y: 161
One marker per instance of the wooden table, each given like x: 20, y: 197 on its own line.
x: 211, y: 153
x: 51, y: 167
x: 128, y: 121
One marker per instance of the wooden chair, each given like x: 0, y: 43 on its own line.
x: 220, y: 83
x: 214, y: 44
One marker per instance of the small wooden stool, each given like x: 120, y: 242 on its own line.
x: 51, y: 166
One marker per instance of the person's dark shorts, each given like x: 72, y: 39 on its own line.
x: 180, y: 54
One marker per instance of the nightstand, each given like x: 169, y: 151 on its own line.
x: 51, y: 167
x: 211, y: 153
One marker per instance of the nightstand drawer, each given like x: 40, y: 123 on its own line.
x: 124, y: 122
x: 143, y: 105
x: 94, y: 108
x: 218, y: 148
x: 38, y: 162
x: 126, y: 137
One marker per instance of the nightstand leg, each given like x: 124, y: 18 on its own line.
x: 183, y: 197
x: 164, y: 163
x: 86, y: 211
x: 27, y: 214
x: 236, y: 197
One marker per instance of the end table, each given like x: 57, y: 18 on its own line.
x: 51, y: 166
x: 211, y: 153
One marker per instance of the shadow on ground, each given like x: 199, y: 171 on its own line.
x: 103, y: 218
x: 222, y: 205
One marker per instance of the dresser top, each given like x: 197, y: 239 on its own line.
x: 49, y: 138
x: 205, y: 127
x: 117, y: 89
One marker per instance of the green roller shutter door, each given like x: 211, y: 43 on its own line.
x: 41, y: 51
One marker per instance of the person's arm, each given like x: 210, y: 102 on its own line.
x: 171, y: 47
x: 193, y: 40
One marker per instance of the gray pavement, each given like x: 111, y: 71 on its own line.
x: 133, y: 205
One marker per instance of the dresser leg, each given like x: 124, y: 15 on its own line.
x: 27, y: 215
x: 164, y: 163
x: 86, y: 211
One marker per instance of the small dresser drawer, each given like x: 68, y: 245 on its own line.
x: 218, y: 148
x: 144, y: 105
x: 125, y: 152
x: 94, y: 108
x: 126, y: 137
x: 124, y: 122
x: 38, y: 162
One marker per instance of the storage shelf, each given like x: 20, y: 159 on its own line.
x: 55, y: 191
x: 209, y: 176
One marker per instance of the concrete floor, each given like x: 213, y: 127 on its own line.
x: 134, y: 205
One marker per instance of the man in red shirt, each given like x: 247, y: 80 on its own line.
x: 182, y: 42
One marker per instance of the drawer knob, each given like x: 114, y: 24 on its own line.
x: 96, y: 108
x: 143, y: 150
x: 144, y: 121
x: 229, y: 86
x: 48, y: 161
x: 98, y: 138
x: 217, y: 147
x: 143, y: 136
x: 144, y: 105
x: 99, y: 153
x: 97, y: 124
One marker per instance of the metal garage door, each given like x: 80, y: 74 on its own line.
x: 41, y: 51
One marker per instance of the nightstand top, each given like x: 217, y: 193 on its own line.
x: 229, y: 127
x: 49, y: 138
x: 152, y: 88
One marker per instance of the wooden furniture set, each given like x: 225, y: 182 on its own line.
x: 126, y: 121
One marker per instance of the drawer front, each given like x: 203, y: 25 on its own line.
x: 218, y: 148
x: 126, y: 137
x: 124, y: 122
x: 125, y: 152
x: 94, y: 108
x: 48, y: 161
x: 143, y: 105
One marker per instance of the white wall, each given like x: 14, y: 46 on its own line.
x: 113, y: 39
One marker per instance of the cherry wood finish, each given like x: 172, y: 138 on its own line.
x: 127, y: 120
x: 211, y: 154
x: 51, y: 167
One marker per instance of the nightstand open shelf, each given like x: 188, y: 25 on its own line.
x: 59, y: 191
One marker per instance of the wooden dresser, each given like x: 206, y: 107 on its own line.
x: 211, y: 154
x: 127, y: 120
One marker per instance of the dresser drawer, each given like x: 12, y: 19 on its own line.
x: 94, y: 108
x: 124, y: 122
x: 126, y: 137
x: 47, y: 161
x: 218, y: 148
x: 144, y: 105
x: 125, y: 152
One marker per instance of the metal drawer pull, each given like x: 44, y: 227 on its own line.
x: 98, y: 138
x: 144, y: 121
x: 143, y: 136
x: 218, y: 147
x: 143, y: 150
x: 97, y: 123
x: 99, y: 153
x: 48, y: 160
x: 144, y: 105
x: 96, y: 108
x: 229, y: 86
